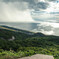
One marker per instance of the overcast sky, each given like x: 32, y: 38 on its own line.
x: 46, y: 12
x: 28, y: 10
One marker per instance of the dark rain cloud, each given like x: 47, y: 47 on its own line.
x: 32, y: 4
x: 29, y: 1
x: 52, y: 0
x: 42, y: 5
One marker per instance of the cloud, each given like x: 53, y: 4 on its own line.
x: 48, y: 28
x: 9, y: 12
x: 16, y: 4
x: 31, y: 4
x: 47, y: 32
x: 42, y: 5
x: 56, y: 31
x: 52, y: 0
x: 51, y: 13
x: 19, y: 10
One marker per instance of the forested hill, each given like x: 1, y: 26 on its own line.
x: 27, y: 43
x: 32, y: 39
x: 7, y: 32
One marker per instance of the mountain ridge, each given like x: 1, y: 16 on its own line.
x: 22, y: 31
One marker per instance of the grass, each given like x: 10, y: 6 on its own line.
x: 16, y: 55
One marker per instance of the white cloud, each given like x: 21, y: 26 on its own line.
x: 48, y: 28
x: 54, y: 25
x: 47, y: 32
x: 53, y: 7
x: 10, y: 12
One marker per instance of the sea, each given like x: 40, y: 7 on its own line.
x: 24, y: 26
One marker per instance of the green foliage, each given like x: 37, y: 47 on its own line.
x: 27, y: 45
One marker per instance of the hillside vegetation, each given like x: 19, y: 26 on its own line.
x: 26, y: 43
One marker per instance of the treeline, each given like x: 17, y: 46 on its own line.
x: 43, y: 42
x: 7, y: 34
x: 26, y: 45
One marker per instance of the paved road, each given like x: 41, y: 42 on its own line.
x: 39, y: 56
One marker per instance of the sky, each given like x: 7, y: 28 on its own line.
x: 28, y: 10
x: 45, y: 12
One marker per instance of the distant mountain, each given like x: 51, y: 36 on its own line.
x: 7, y: 32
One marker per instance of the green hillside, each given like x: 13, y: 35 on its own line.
x: 26, y: 43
